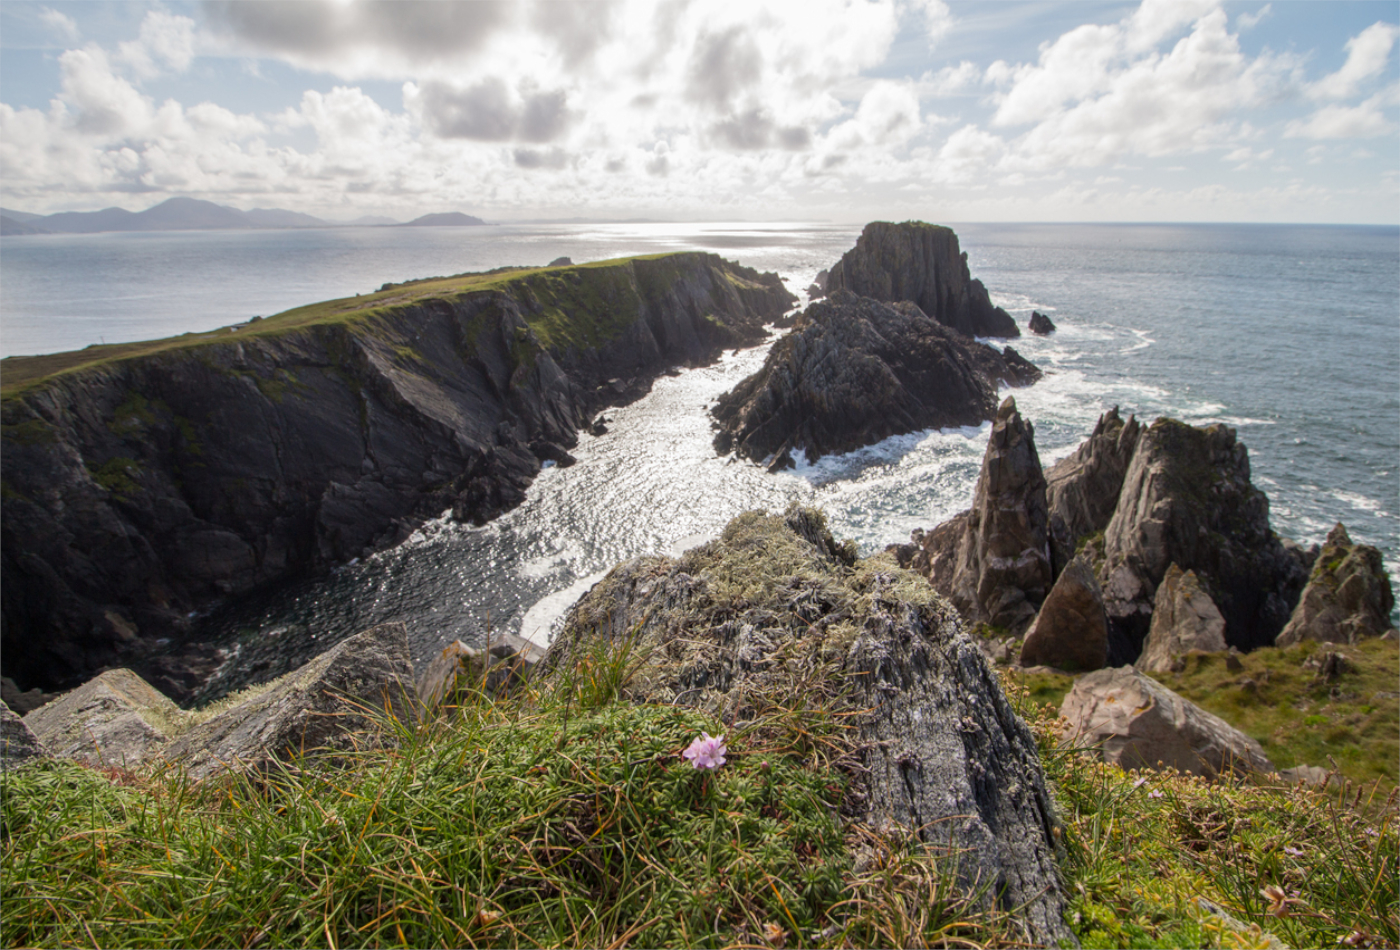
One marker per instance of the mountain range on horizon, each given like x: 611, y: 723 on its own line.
x: 192, y: 214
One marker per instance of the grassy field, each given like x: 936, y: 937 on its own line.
x: 570, y: 819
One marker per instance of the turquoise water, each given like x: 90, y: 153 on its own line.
x: 1290, y: 334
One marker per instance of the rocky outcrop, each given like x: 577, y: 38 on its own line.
x: 1082, y: 489
x: 503, y: 667
x: 921, y: 263
x: 1040, y: 324
x: 22, y: 701
x: 1139, y: 723
x: 1184, y: 618
x: 332, y: 704
x: 1070, y: 632
x: 18, y: 744
x: 733, y: 625
x: 1187, y: 498
x: 116, y: 719
x: 993, y: 562
x: 139, y: 489
x: 855, y: 371
x: 1348, y: 595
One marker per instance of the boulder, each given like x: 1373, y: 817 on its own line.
x: 855, y: 371
x: 1082, y: 489
x: 1139, y: 723
x: 18, y: 743
x: 1040, y: 324
x: 921, y: 263
x: 1348, y: 595
x: 505, y: 667
x: 1071, y: 630
x: 1184, y: 618
x: 1187, y: 498
x: 999, y: 569
x: 560, y: 262
x: 116, y: 718
x: 737, y: 625
x: 22, y: 702
x: 331, y: 704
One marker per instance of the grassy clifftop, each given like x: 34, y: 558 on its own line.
x: 575, y: 305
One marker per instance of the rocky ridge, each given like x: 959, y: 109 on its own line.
x: 854, y: 371
x: 921, y: 263
x: 139, y: 489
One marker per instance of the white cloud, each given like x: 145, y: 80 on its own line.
x: 1248, y: 21
x: 950, y: 80
x: 1367, y: 55
x: 1365, y: 120
x: 61, y: 23
x: 166, y: 43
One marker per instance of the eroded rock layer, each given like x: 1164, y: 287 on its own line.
x: 922, y: 263
x: 855, y: 371
x: 141, y: 489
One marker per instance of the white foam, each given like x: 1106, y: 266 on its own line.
x: 541, y: 622
x: 1359, y: 502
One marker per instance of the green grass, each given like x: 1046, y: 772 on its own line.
x: 578, y: 305
x: 1143, y: 849
x: 1352, y: 722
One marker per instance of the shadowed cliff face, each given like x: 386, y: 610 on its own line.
x: 139, y: 490
x: 924, y: 264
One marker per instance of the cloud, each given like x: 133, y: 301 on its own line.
x: 950, y: 80
x: 490, y: 112
x: 61, y: 23
x: 1367, y: 55
x: 166, y: 43
x: 1248, y: 21
x: 938, y: 19
x: 969, y: 154
x: 533, y: 158
x: 1365, y: 120
x: 722, y: 66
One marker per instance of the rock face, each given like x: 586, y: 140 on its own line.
x: 993, y: 561
x: 921, y: 263
x: 503, y: 667
x: 18, y: 744
x: 140, y: 489
x: 855, y: 371
x: 1139, y: 723
x: 325, y: 705
x: 1348, y: 595
x: 1187, y: 498
x: 732, y: 624
x: 1071, y: 630
x: 1082, y: 489
x: 1184, y: 618
x: 116, y: 719
x: 1040, y: 324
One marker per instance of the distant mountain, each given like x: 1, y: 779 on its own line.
x: 450, y: 219
x: 14, y: 215
x: 368, y: 221
x: 277, y: 218
x: 9, y: 225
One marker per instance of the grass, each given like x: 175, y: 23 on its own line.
x: 1149, y: 854
x: 594, y: 288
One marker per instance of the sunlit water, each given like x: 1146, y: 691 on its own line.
x: 1292, y: 335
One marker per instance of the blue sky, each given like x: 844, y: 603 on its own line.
x: 845, y: 110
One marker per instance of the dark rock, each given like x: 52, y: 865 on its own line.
x: 547, y: 451
x: 1348, y: 595
x: 856, y: 371
x: 1184, y: 618
x: 1187, y: 498
x: 560, y: 262
x: 18, y: 744
x: 1070, y: 632
x: 1082, y: 489
x: 146, y: 488
x: 116, y: 719
x: 731, y: 626
x: 1139, y: 723
x: 921, y: 263
x: 20, y: 701
x: 1328, y: 665
x: 328, y: 705
x: 993, y: 561
x: 599, y: 426
x: 1040, y: 324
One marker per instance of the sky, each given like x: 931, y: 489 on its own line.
x: 833, y: 110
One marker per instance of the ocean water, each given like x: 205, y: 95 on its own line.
x: 1289, y: 334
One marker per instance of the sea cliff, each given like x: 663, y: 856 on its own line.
x: 143, y: 482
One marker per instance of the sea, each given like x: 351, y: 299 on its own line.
x: 1288, y: 333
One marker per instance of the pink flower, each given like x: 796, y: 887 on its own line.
x: 706, y: 752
